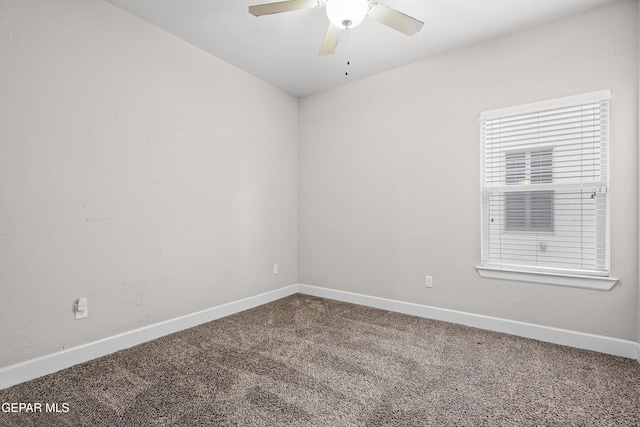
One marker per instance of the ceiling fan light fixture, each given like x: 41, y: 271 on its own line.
x: 347, y: 13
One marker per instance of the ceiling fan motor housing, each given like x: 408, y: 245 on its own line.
x: 347, y: 13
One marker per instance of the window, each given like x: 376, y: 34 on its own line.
x: 528, y: 210
x: 545, y: 205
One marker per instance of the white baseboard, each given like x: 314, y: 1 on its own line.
x: 602, y: 344
x: 34, y: 368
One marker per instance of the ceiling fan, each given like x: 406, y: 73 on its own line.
x: 344, y: 14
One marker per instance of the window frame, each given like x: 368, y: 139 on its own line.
x: 564, y: 277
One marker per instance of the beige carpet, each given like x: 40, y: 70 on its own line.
x: 307, y: 361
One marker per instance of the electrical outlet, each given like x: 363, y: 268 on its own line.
x: 428, y: 282
x: 81, y: 308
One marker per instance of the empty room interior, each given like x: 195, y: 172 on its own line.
x: 204, y: 221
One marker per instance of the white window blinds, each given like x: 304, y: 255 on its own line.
x: 544, y: 186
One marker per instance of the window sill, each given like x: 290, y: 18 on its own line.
x: 586, y: 282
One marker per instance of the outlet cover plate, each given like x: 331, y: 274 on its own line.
x: 428, y: 281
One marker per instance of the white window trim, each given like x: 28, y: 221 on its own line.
x: 603, y: 283
x: 550, y: 103
x: 600, y: 283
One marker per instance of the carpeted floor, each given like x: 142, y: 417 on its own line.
x: 308, y: 361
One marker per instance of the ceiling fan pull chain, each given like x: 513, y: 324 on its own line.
x: 346, y: 73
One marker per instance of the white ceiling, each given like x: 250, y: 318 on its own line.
x: 282, y: 49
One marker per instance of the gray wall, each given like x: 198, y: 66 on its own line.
x: 135, y: 170
x: 389, y: 171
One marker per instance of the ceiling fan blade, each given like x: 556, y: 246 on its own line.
x: 284, y: 6
x: 330, y: 40
x: 394, y: 19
